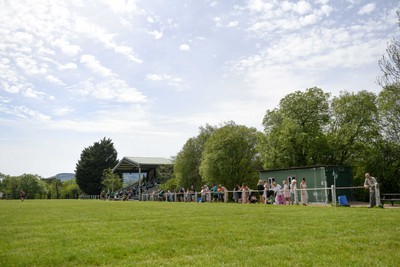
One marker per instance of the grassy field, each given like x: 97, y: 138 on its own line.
x: 106, y: 233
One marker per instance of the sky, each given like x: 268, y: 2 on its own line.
x: 147, y: 74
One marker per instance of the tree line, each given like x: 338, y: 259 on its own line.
x: 36, y: 187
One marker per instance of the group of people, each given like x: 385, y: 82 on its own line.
x: 272, y: 193
x: 265, y: 193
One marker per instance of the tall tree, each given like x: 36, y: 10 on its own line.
x: 111, y: 181
x: 354, y: 126
x: 31, y: 185
x: 93, y: 161
x: 294, y: 132
x: 54, y: 188
x: 188, y: 160
x: 387, y: 160
x: 230, y: 156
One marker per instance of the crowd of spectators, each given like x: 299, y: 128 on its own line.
x: 265, y: 193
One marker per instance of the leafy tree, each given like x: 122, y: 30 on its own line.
x: 54, y: 188
x: 111, y: 181
x: 93, y: 161
x: 230, y: 156
x: 389, y: 109
x: 164, y: 173
x: 387, y: 160
x: 386, y: 157
x: 70, y: 189
x: 171, y: 184
x: 354, y: 125
x: 188, y: 160
x: 294, y: 132
x: 31, y: 185
x: 11, y: 187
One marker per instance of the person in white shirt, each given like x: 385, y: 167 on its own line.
x: 370, y: 184
x: 279, y: 194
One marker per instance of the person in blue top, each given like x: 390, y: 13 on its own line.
x: 214, y: 189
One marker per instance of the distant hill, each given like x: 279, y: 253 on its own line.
x: 128, y: 178
x: 64, y: 176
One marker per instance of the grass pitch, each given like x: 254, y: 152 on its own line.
x: 107, y: 233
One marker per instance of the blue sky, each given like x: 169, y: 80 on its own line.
x: 148, y: 73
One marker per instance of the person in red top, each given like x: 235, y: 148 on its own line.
x: 22, y: 195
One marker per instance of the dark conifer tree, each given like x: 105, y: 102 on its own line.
x: 94, y: 160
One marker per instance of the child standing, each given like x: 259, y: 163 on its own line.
x: 279, y: 194
x: 286, y: 192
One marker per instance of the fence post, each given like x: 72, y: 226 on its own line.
x: 377, y: 195
x: 333, y: 190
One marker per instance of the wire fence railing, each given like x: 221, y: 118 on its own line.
x: 297, y: 196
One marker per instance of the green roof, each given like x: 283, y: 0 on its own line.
x: 132, y: 164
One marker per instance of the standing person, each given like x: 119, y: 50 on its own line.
x: 22, y: 195
x: 370, y: 183
x: 279, y: 194
x: 293, y: 193
x: 224, y: 191
x: 214, y: 189
x: 265, y: 192
x: 260, y: 189
x: 304, y: 194
x: 245, y: 193
x: 286, y: 192
x: 236, y: 193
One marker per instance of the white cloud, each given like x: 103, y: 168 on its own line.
x: 150, y: 19
x: 270, y: 18
x: 232, y: 24
x: 29, y: 92
x: 62, y: 111
x: 124, y: 6
x: 129, y: 120
x: 66, y: 47
x: 94, y: 65
x: 171, y: 81
x: 184, y: 47
x: 367, y: 9
x: 53, y: 79
x: 156, y: 34
x: 68, y: 66
x: 83, y: 26
x: 24, y: 112
x: 110, y: 90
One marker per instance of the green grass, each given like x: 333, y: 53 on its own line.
x: 105, y: 233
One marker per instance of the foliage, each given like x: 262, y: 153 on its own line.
x: 31, y: 184
x: 389, y: 108
x: 70, y: 189
x: 93, y: 161
x: 171, y: 184
x: 164, y: 173
x: 386, y: 160
x: 111, y: 181
x: 354, y: 126
x: 54, y: 186
x: 230, y: 156
x: 294, y: 131
x: 188, y: 160
x: 99, y: 233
